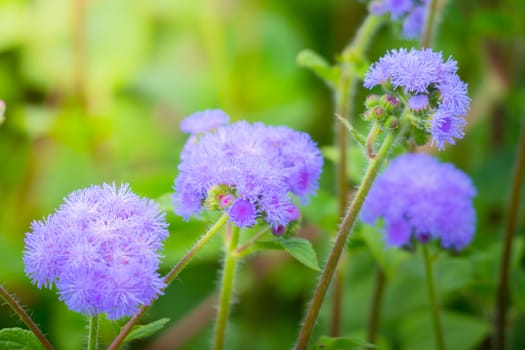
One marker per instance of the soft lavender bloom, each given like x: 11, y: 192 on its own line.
x: 420, y: 74
x: 203, y: 121
x: 420, y: 198
x: 100, y: 248
x: 414, y: 22
x: 398, y: 7
x: 410, y: 12
x: 261, y: 167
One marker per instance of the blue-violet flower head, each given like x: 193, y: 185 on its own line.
x: 101, y: 249
x: 410, y: 12
x: 420, y: 198
x: 259, y: 168
x: 428, y: 83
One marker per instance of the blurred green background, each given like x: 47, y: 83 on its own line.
x: 95, y: 91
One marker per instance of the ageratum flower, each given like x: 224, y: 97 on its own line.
x: 410, y: 12
x: 101, y: 249
x: 203, y: 121
x: 430, y: 85
x: 250, y: 171
x: 421, y: 198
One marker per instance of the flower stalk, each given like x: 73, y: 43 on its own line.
x: 340, y: 242
x: 93, y: 332
x: 168, y: 278
x: 228, y: 276
x: 19, y: 310
x: 345, y: 91
x: 498, y: 341
x: 434, y: 307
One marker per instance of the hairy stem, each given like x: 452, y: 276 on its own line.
x: 434, y: 307
x: 93, y: 333
x: 344, y: 108
x: 340, y: 242
x: 228, y: 276
x: 168, y: 278
x: 510, y: 227
x: 19, y: 310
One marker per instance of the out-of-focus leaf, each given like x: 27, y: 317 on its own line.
x: 461, y: 332
x: 18, y: 339
x: 165, y: 202
x: 358, y: 64
x: 330, y: 343
x: 143, y: 331
x: 386, y: 257
x: 322, y: 211
x: 313, y: 61
x: 517, y: 288
x: 355, y: 160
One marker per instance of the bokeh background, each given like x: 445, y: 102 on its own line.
x: 95, y: 91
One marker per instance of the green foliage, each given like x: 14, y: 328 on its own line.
x: 97, y: 94
x: 18, y: 339
x: 329, y: 343
x: 299, y: 248
x: 145, y: 330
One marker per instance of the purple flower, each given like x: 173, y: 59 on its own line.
x: 203, y: 121
x: 414, y: 22
x: 426, y: 81
x: 420, y: 198
x: 243, y: 213
x: 410, y: 12
x: 252, y: 172
x: 100, y: 248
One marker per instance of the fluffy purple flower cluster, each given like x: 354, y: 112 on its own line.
x: 420, y: 198
x: 250, y: 170
x: 430, y: 86
x: 411, y: 12
x: 100, y: 248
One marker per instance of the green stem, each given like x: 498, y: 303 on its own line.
x: 429, y: 24
x: 340, y: 241
x: 375, y: 306
x: 434, y: 307
x: 19, y: 310
x: 168, y: 278
x: 93, y: 333
x: 344, y: 94
x: 498, y: 342
x: 241, y: 250
x: 228, y: 276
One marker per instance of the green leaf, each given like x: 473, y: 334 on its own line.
x: 145, y: 330
x: 329, y: 343
x: 302, y: 250
x: 313, y: 61
x: 165, y: 202
x: 386, y: 257
x: 358, y: 64
x: 460, y: 331
x: 18, y: 339
x: 299, y: 248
